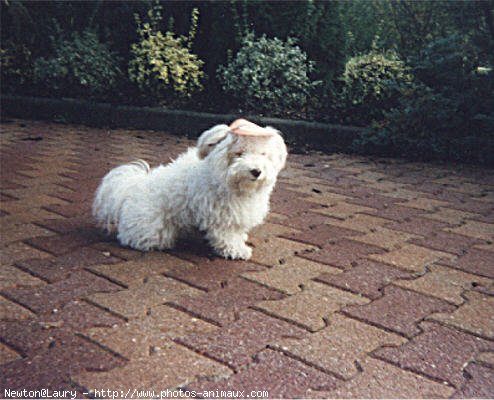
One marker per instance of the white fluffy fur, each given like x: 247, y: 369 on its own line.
x: 211, y: 188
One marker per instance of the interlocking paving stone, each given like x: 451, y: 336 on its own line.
x: 488, y: 247
x: 210, y: 274
x: 276, y: 218
x: 402, y: 193
x: 376, y: 201
x: 32, y: 202
x: 312, y: 306
x: 385, y: 238
x: 480, y: 384
x: 31, y: 216
x: 302, y: 221
x: 321, y: 235
x: 451, y: 216
x: 438, y: 352
x: 361, y: 223
x: 321, y: 190
x: 138, y: 337
x: 396, y: 212
x: 381, y: 380
x: 290, y: 206
x: 440, y: 193
x: 49, y: 297
x: 11, y: 276
x: 222, y: 305
x: 371, y: 176
x: 447, y: 242
x: 443, y: 218
x: 65, y: 243
x: 133, y: 273
x: 269, y: 229
x: 59, y: 268
x: 19, y: 251
x: 155, y: 372
x: 355, y: 192
x: 67, y: 225
x: 239, y: 341
x: 303, y: 179
x: 67, y: 356
x: 339, y: 346
x: 426, y: 204
x: 343, y: 254
x: 368, y: 278
x: 399, y: 310
x: 22, y: 231
x: 472, y: 189
x: 475, y: 229
x: 341, y: 210
x: 36, y: 335
x: 135, y: 301
x: 272, y: 251
x: 483, y: 206
x: 418, y: 226
x: 475, y: 315
x: 10, y: 310
x: 71, y: 209
x: 475, y: 261
x: 445, y: 283
x: 7, y: 354
x: 279, y: 375
x: 8, y: 185
x: 411, y: 257
x: 326, y: 199
x: 289, y: 276
x: 114, y: 249
x: 486, y: 358
x: 488, y: 219
x: 79, y: 315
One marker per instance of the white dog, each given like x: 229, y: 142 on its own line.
x: 221, y: 188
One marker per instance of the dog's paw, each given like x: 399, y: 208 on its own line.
x: 243, y: 252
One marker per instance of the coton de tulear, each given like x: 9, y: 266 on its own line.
x: 221, y: 188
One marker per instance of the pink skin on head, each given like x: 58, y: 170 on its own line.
x: 242, y: 127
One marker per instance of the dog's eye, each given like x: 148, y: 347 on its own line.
x: 239, y: 153
x: 263, y: 154
x: 211, y: 144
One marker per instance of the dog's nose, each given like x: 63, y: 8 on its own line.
x: 255, y: 172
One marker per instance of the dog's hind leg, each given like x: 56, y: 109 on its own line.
x: 148, y: 239
x: 144, y: 230
x: 167, y: 238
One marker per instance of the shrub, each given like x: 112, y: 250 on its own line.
x: 448, y: 115
x: 269, y: 74
x: 163, y: 65
x: 15, y: 65
x: 81, y: 65
x: 446, y: 63
x: 372, y: 83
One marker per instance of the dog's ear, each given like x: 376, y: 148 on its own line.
x: 210, y: 138
x: 283, y: 155
x: 282, y: 150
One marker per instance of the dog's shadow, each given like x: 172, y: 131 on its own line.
x: 192, y: 249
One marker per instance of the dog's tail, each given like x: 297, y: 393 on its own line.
x: 114, y: 189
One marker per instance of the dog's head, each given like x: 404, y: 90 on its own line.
x: 210, y: 138
x: 250, y: 162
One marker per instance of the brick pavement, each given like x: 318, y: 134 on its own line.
x: 371, y: 278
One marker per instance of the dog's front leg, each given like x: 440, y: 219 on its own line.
x: 229, y: 244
